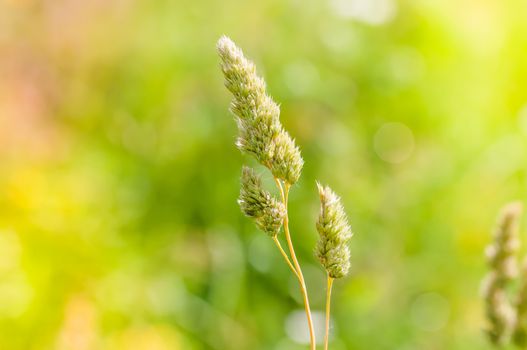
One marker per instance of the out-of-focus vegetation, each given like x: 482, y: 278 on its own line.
x: 119, y: 227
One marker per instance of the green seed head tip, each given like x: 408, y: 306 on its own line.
x: 335, y: 232
x: 286, y: 163
x: 257, y: 203
x: 260, y: 132
x: 501, y: 254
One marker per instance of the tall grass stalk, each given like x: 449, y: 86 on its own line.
x: 262, y: 136
x: 505, y: 318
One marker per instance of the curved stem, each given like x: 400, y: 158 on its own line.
x: 285, y: 197
x: 284, y: 254
x: 279, y: 185
x: 328, y: 311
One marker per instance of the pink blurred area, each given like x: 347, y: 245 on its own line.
x: 46, y: 50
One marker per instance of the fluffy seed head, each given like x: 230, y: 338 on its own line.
x: 500, y: 314
x: 501, y: 257
x: 257, y: 203
x: 260, y: 132
x: 332, y: 248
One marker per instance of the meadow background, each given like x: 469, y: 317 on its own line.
x: 119, y: 227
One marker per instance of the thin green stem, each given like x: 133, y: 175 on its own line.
x: 279, y: 185
x: 328, y: 311
x: 284, y: 192
x: 284, y: 254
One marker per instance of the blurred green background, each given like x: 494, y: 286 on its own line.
x: 119, y: 227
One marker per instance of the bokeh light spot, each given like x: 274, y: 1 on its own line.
x: 522, y: 119
x: 430, y: 312
x: 394, y: 142
x: 407, y: 65
x: 296, y: 326
x: 300, y: 77
x: 373, y: 12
